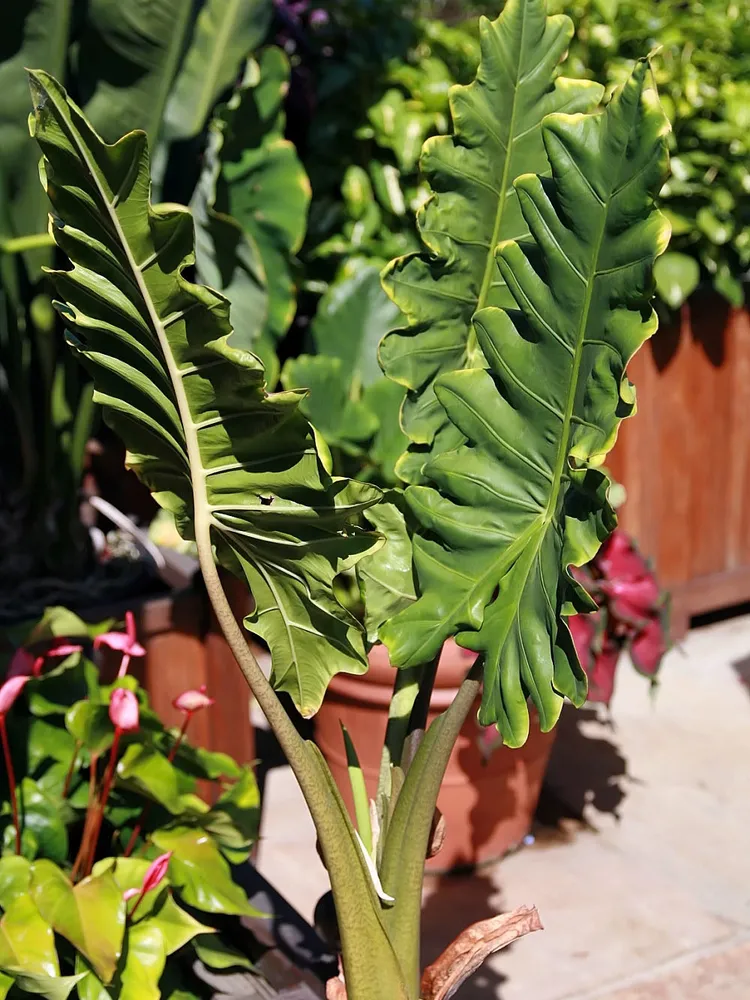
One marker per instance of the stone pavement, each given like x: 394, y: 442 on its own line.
x: 641, y: 867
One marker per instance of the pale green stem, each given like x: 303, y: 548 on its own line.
x: 20, y: 244
x: 408, y: 833
x: 370, y: 966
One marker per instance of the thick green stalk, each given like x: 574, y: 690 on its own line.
x: 370, y: 966
x: 405, y: 849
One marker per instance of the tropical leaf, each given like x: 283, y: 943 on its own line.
x: 238, y: 467
x: 127, y: 59
x: 349, y: 399
x: 225, y: 34
x: 332, y: 404
x: 35, y: 33
x: 386, y: 577
x: 522, y: 501
x: 262, y: 183
x: 228, y: 258
x: 474, y: 206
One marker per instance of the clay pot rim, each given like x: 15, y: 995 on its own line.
x: 375, y: 687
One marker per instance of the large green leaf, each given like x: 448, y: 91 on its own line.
x: 349, y: 398
x: 226, y: 32
x: 143, y: 769
x: 200, y: 873
x: 332, y: 403
x: 352, y: 318
x: 474, y: 206
x: 127, y: 58
x: 15, y: 873
x: 522, y: 501
x: 35, y: 33
x: 386, y: 577
x: 239, y: 467
x: 91, y: 915
x: 43, y: 816
x: 262, y: 183
x: 26, y: 939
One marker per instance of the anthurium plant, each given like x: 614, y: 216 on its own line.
x: 113, y: 871
x: 632, y: 616
x: 523, y: 305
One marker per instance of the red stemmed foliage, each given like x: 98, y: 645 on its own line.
x: 632, y: 615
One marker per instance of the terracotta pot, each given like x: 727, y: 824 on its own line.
x: 184, y: 649
x: 488, y: 806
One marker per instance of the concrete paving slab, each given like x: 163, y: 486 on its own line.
x: 651, y: 881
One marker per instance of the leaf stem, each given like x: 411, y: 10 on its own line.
x: 407, y: 838
x: 147, y: 808
x: 11, y: 782
x: 106, y: 788
x: 90, y: 811
x: 20, y: 244
x: 71, y: 768
x: 370, y: 965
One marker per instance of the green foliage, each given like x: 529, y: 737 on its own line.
x: 225, y: 32
x: 702, y: 69
x: 523, y: 500
x: 473, y: 207
x: 350, y: 401
x: 237, y: 466
x: 101, y: 950
x: 131, y: 65
x: 253, y: 175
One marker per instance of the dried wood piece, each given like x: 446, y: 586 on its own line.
x: 470, y: 949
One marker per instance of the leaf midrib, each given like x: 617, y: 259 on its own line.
x: 471, y: 341
x: 564, y: 446
x: 201, y: 513
x: 226, y: 22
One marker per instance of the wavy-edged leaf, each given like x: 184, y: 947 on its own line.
x: 128, y: 55
x: 386, y: 577
x: 228, y: 258
x: 35, y: 33
x: 262, y: 183
x: 238, y: 467
x: 352, y: 404
x: 332, y: 403
x: 522, y: 501
x: 225, y: 34
x: 474, y: 206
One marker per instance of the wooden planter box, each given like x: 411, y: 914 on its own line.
x: 684, y: 459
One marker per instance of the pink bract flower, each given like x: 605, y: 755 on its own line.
x: 192, y: 701
x: 22, y: 664
x: 123, y: 710
x: 10, y: 691
x: 123, y: 642
x: 154, y: 876
x: 63, y: 647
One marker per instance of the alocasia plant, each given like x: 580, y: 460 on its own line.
x: 474, y: 206
x: 540, y: 281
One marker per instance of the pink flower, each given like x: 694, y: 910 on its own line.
x: 155, y: 875
x: 22, y: 664
x: 123, y: 642
x: 10, y: 691
x: 192, y: 701
x: 123, y: 710
x: 61, y: 647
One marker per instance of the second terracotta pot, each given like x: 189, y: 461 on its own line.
x: 488, y: 805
